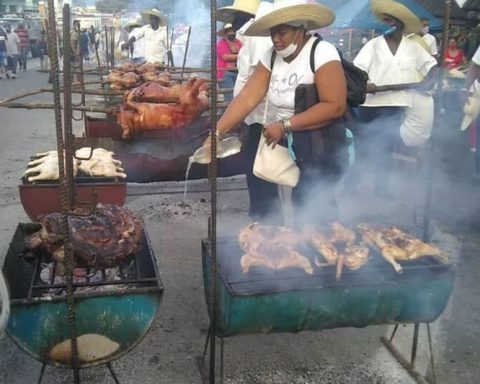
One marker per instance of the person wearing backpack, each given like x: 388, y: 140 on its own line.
x: 389, y: 59
x: 318, y: 130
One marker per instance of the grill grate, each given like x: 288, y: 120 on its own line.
x: 376, y: 272
x: 137, y: 274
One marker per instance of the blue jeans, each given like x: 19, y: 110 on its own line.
x: 228, y: 82
x: 3, y: 56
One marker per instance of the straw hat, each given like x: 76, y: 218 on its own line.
x: 226, y: 14
x: 412, y: 23
x: 154, y: 12
x: 223, y: 32
x: 313, y: 16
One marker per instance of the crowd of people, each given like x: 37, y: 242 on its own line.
x: 14, y: 48
x: 274, y: 60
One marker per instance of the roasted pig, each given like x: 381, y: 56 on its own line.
x: 153, y: 92
x: 272, y: 247
x: 134, y: 117
x: 101, y: 239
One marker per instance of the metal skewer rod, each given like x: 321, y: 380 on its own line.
x: 186, y: 50
x: 213, y: 171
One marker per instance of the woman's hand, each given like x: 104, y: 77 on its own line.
x: 273, y: 133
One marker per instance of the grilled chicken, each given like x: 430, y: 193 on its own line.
x: 272, y: 247
x: 415, y: 248
x: 327, y: 250
x: 340, y: 234
x: 134, y: 117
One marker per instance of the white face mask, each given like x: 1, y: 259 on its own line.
x: 290, y: 50
x: 426, y: 30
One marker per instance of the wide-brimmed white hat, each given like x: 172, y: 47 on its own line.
x: 154, y: 12
x: 227, y: 14
x: 412, y: 23
x: 471, y: 109
x: 312, y: 16
x: 223, y: 32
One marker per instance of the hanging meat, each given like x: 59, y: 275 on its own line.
x: 154, y: 92
x: 102, y: 239
x: 193, y: 100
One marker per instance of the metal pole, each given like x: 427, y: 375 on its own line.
x: 186, y: 50
x: 213, y: 185
x: 438, y: 123
x: 112, y: 46
x: 107, y: 58
x: 67, y: 107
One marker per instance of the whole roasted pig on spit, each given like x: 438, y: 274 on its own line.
x: 101, y: 239
x: 154, y: 92
x: 193, y: 100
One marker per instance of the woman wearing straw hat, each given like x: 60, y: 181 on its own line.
x: 227, y: 54
x: 389, y: 59
x: 154, y: 35
x: 288, y: 24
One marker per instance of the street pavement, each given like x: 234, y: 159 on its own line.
x: 170, y: 349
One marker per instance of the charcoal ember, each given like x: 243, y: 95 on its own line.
x: 102, y: 239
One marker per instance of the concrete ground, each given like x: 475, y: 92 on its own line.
x: 169, y: 351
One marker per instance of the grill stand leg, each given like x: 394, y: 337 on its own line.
x: 203, y: 363
x: 112, y: 373
x: 410, y: 366
x: 42, y: 371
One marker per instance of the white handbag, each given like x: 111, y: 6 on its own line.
x: 275, y: 165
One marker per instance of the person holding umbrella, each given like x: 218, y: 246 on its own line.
x: 154, y: 34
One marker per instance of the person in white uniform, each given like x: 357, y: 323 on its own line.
x: 428, y: 37
x: 389, y: 59
x: 136, y: 51
x: 154, y: 35
x: 281, y: 71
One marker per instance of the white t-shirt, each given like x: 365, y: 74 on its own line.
x: 155, y: 42
x: 476, y: 56
x: 253, y: 48
x: 286, y: 77
x: 432, y: 43
x: 384, y: 68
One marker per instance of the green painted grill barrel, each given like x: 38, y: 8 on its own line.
x: 122, y: 311
x: 263, y: 301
